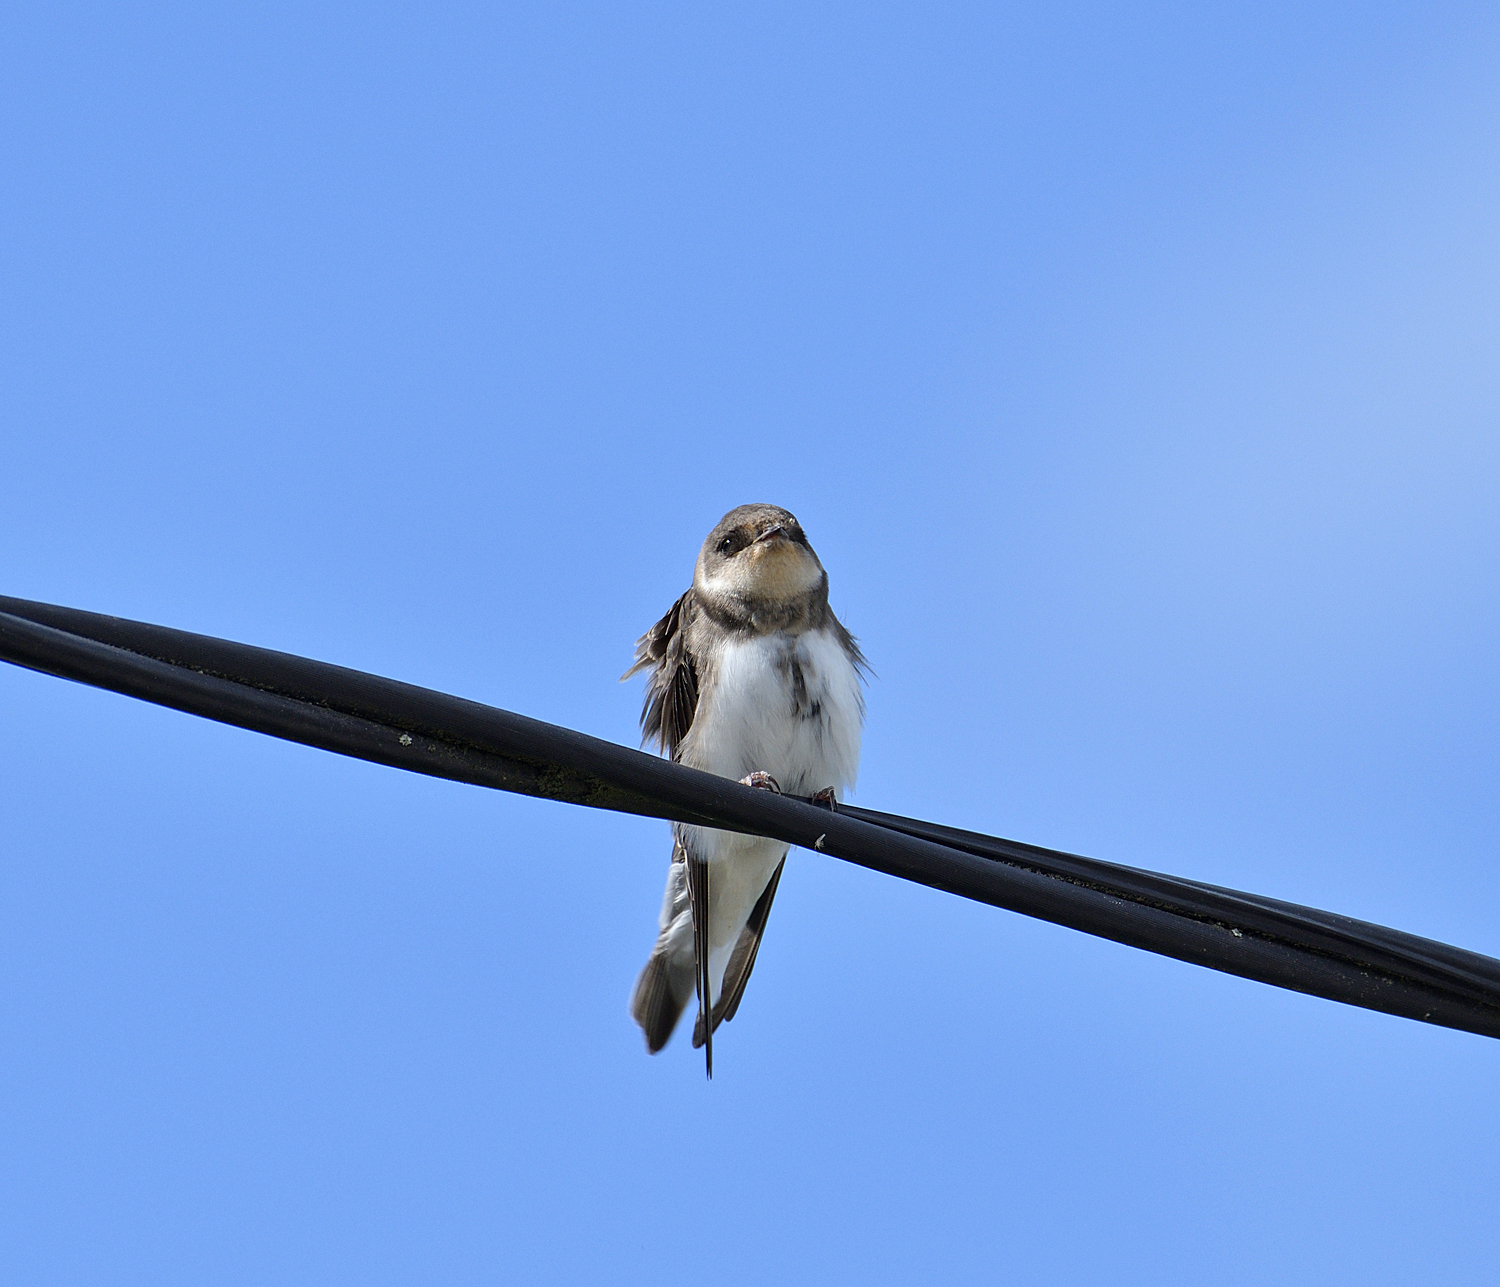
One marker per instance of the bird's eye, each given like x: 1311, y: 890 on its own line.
x: 726, y: 545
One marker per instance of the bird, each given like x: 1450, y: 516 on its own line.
x: 751, y: 677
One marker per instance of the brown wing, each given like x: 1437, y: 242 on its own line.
x: 742, y: 959
x: 698, y: 893
x: 849, y: 644
x: 672, y: 691
x: 658, y: 1001
x: 666, y: 984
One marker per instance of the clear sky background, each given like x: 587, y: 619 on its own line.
x: 1133, y: 369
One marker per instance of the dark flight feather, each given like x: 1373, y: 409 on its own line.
x: 672, y: 688
x: 665, y: 984
x: 741, y: 960
x: 656, y: 1005
x: 697, y: 874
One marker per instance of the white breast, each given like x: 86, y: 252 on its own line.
x: 789, y: 705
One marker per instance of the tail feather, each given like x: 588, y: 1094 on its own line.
x: 661, y: 995
x: 741, y: 960
x: 697, y: 881
x: 679, y: 965
x: 666, y: 983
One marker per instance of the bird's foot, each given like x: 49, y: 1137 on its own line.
x: 827, y: 798
x: 763, y: 781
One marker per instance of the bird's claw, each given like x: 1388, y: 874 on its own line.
x: 762, y: 781
x: 825, y: 799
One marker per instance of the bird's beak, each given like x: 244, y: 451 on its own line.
x: 771, y: 533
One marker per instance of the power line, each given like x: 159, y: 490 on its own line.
x: 423, y: 731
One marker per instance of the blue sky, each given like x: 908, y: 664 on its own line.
x: 1134, y: 371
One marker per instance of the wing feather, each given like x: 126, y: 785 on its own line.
x: 742, y: 959
x: 672, y: 690
x: 666, y: 984
x: 698, y: 892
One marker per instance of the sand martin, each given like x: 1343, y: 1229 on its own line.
x: 751, y: 677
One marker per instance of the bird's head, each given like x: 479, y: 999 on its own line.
x: 758, y: 554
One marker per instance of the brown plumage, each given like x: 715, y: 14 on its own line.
x: 754, y: 642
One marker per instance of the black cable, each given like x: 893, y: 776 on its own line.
x: 423, y: 731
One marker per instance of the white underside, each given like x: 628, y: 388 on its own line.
x: 749, y: 718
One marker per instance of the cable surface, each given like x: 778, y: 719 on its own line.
x: 424, y: 731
